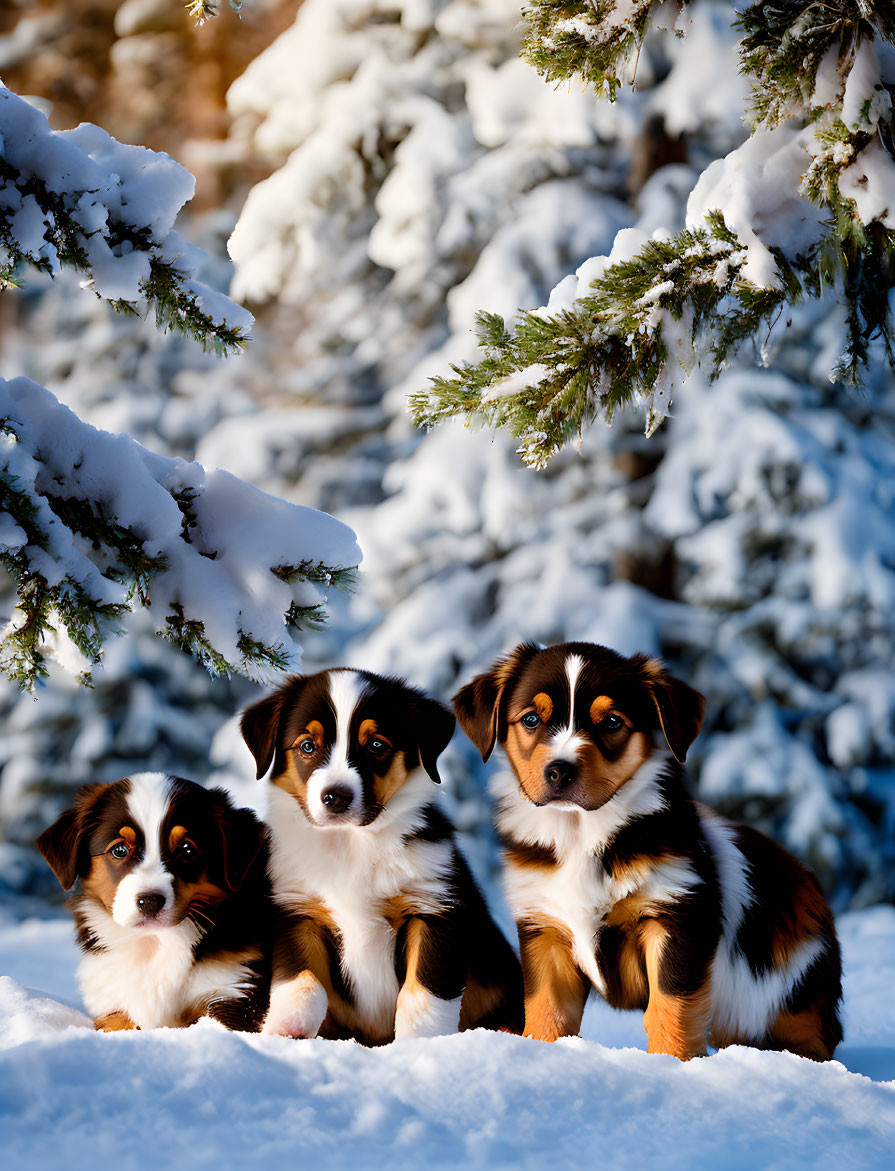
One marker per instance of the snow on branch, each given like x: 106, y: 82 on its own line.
x: 81, y: 198
x: 805, y: 203
x: 92, y: 524
x: 592, y: 39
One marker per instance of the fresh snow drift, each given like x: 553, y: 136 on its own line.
x: 203, y: 1097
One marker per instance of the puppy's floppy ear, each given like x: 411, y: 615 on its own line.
x: 259, y: 726
x: 679, y: 706
x: 434, y: 726
x: 481, y: 704
x: 244, y: 840
x: 63, y: 844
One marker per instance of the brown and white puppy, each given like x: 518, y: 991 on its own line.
x: 172, y: 906
x: 619, y: 881
x: 383, y: 932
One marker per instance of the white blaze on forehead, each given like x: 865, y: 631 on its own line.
x: 147, y: 804
x: 565, y: 744
x: 345, y: 691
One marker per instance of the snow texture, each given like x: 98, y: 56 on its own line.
x: 203, y: 1097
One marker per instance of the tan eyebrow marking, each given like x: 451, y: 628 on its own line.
x: 127, y: 834
x: 176, y: 836
x: 543, y: 706
x: 601, y: 707
x: 314, y: 730
x: 366, y: 731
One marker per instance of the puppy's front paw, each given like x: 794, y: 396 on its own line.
x: 422, y: 1014
x: 297, y: 1008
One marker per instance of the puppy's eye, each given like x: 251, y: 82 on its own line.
x: 530, y: 720
x: 377, y: 745
x: 612, y: 724
x: 120, y: 850
x: 187, y: 851
x: 307, y: 746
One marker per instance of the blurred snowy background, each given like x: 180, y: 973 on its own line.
x: 387, y: 168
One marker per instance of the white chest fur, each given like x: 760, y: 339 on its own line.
x: 577, y: 892
x: 354, y: 871
x: 152, y: 975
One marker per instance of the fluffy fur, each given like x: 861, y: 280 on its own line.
x: 620, y: 881
x: 172, y: 904
x: 381, y: 931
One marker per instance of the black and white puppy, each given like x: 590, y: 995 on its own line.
x: 382, y: 931
x: 172, y: 906
x: 619, y: 881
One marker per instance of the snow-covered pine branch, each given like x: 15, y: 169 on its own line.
x: 806, y: 202
x: 80, y: 198
x: 93, y: 523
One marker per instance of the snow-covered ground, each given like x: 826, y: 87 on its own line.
x: 203, y: 1097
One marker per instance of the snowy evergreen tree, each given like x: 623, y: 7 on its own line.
x: 423, y: 173
x: 802, y: 205
x: 723, y: 543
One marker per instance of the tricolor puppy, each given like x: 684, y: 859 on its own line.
x: 619, y: 881
x: 172, y: 905
x: 383, y: 932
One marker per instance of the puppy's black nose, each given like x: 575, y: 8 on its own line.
x: 150, y: 903
x: 337, y: 799
x: 560, y: 773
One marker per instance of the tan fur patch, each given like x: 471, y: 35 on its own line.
x: 290, y: 780
x: 176, y: 836
x: 528, y: 757
x: 398, y: 909
x: 801, y: 1033
x: 602, y: 778
x: 674, y: 1024
x: 529, y: 856
x: 635, y: 871
x: 807, y: 917
x: 555, y: 989
x: 101, y: 881
x: 129, y: 835
x: 413, y: 944
x: 543, y: 706
x: 113, y: 1022
x: 386, y: 786
x: 315, y: 731
x: 365, y: 731
x: 479, y: 1000
x: 600, y: 708
x: 632, y: 974
x: 190, y: 898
